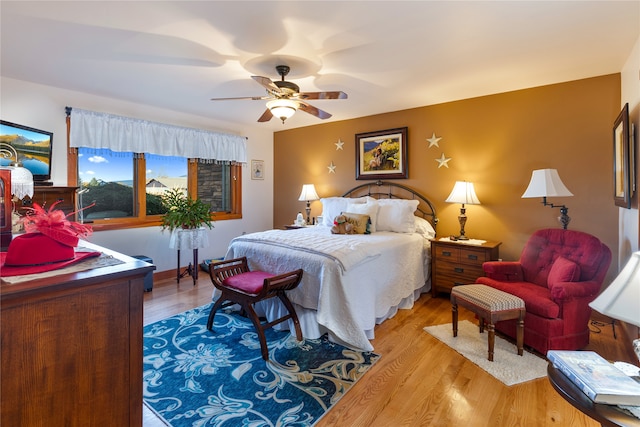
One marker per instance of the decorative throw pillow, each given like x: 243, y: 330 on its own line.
x: 360, y: 222
x: 563, y: 270
x: 369, y: 208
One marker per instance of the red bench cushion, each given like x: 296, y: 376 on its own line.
x: 250, y: 282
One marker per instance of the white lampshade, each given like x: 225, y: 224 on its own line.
x: 621, y: 299
x: 21, y: 182
x: 463, y: 192
x: 546, y: 183
x: 282, y: 108
x: 308, y: 193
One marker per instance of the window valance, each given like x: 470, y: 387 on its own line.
x: 123, y: 134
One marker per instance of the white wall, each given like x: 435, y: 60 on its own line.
x: 629, y: 235
x: 43, y: 107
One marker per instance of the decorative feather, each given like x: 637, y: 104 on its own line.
x: 54, y: 223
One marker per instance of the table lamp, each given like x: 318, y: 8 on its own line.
x: 464, y: 193
x: 547, y: 183
x: 21, y: 178
x: 621, y: 299
x: 308, y: 194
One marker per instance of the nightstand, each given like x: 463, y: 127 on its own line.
x: 456, y: 263
x: 294, y: 227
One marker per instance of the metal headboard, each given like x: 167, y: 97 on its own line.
x: 391, y: 190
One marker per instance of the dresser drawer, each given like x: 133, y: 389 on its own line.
x: 460, y: 272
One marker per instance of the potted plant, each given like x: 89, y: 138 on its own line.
x: 184, y: 212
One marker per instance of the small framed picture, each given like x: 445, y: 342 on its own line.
x: 257, y: 169
x: 621, y: 160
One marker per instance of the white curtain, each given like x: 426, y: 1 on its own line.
x: 123, y: 134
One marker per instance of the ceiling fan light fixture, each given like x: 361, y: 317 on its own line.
x: 282, y: 108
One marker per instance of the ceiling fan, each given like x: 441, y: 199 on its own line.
x: 285, y: 98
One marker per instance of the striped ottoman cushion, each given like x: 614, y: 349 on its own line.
x: 487, y: 298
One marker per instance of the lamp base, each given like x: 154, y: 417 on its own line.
x: 462, y: 238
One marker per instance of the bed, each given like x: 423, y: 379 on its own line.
x: 351, y: 282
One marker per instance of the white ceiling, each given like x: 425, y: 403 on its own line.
x: 386, y: 55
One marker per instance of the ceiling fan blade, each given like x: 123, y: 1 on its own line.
x: 308, y: 108
x: 266, y: 116
x: 253, y: 98
x: 267, y: 83
x: 322, y: 95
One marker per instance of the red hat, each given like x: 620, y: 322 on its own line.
x: 47, y: 245
x: 36, y: 253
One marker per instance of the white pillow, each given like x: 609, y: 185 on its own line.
x: 397, y: 215
x: 369, y: 208
x: 424, y: 227
x: 334, y: 206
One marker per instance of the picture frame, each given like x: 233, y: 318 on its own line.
x: 621, y: 160
x: 382, y: 154
x: 257, y: 169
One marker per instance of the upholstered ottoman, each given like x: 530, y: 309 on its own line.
x: 491, y: 306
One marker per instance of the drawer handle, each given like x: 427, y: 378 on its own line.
x: 446, y: 253
x: 473, y: 257
x: 458, y: 270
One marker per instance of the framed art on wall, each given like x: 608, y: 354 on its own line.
x: 621, y: 160
x: 257, y: 169
x: 382, y: 154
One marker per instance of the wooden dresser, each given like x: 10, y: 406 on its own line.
x: 458, y: 263
x: 71, y: 348
x: 47, y: 195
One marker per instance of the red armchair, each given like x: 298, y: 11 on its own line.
x: 559, y: 273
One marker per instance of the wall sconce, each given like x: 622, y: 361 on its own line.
x: 547, y: 183
x: 308, y: 194
x: 283, y: 108
x: 21, y: 178
x: 620, y: 299
x: 464, y: 193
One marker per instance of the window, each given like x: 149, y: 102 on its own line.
x: 109, y: 183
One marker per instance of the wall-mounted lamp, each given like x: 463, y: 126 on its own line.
x: 308, y: 194
x: 547, y: 183
x: 283, y: 108
x: 620, y: 299
x: 21, y: 178
x: 464, y: 193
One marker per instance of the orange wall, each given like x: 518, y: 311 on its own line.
x: 493, y: 141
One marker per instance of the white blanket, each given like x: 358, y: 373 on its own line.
x: 343, y: 292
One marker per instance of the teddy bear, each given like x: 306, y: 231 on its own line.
x: 341, y: 226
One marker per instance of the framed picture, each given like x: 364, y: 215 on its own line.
x: 382, y: 154
x: 257, y: 169
x: 621, y: 160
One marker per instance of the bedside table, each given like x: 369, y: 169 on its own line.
x: 456, y: 263
x: 294, y: 227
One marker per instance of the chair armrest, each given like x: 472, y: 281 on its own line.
x: 566, y: 290
x: 503, y: 271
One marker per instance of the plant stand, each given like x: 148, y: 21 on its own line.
x: 193, y: 239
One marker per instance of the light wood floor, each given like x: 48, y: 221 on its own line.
x: 418, y: 381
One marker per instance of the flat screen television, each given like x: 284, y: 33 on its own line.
x: 33, y: 147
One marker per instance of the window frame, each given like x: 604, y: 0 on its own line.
x: 141, y: 219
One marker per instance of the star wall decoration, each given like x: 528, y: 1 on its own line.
x: 332, y: 167
x: 434, y: 140
x: 443, y: 161
x: 339, y: 144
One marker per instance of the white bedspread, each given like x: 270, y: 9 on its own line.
x: 350, y: 282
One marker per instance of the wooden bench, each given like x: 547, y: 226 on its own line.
x: 491, y: 306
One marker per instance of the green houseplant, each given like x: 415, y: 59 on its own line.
x: 182, y: 211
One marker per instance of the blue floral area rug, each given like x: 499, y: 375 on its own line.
x: 196, y: 378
